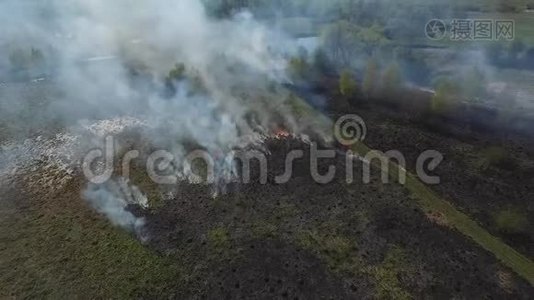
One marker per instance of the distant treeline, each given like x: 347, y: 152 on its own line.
x: 225, y: 8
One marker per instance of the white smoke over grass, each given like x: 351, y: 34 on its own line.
x: 112, y: 200
x: 154, y: 35
x: 223, y: 58
x: 49, y: 162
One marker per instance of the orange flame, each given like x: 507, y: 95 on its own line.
x: 281, y: 134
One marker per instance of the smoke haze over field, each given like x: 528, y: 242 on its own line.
x: 94, y: 47
x: 151, y: 36
x: 110, y: 58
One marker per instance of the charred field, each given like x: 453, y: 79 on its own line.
x: 304, y: 239
x: 299, y: 239
x: 254, y: 149
x: 487, y: 167
x: 295, y: 240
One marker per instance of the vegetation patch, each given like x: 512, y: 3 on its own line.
x: 219, y: 239
x: 338, y: 252
x: 264, y: 230
x: 510, y: 221
x: 387, y: 275
x: 495, y: 157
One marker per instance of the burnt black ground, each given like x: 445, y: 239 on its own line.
x: 307, y: 240
x: 480, y: 193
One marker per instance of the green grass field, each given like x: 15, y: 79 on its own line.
x: 58, y: 247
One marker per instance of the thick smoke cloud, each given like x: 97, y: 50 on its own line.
x: 112, y: 200
x: 93, y: 48
x: 95, y: 44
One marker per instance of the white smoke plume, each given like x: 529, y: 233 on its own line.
x: 112, y: 200
x: 148, y: 35
x: 93, y: 47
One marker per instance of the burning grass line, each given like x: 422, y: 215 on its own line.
x: 429, y: 200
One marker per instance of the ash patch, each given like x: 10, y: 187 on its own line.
x: 49, y: 162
